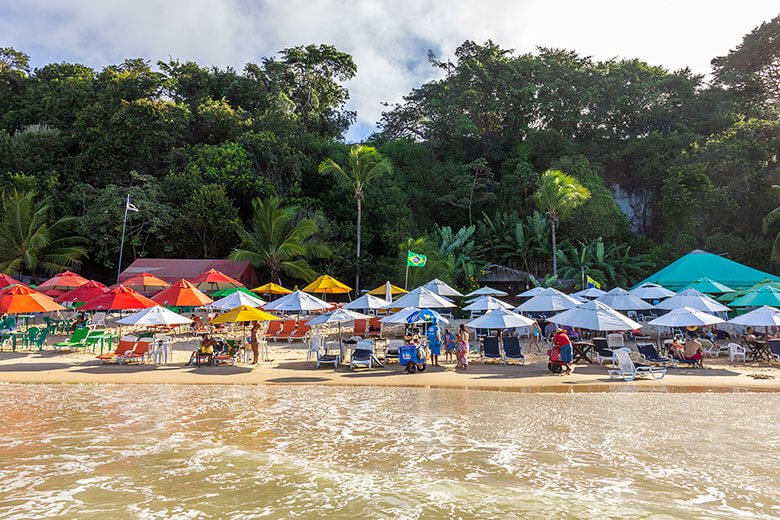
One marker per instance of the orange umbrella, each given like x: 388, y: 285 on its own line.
x: 213, y: 280
x: 63, y: 281
x: 6, y: 280
x: 85, y: 293
x: 182, y: 294
x: 119, y: 298
x: 145, y: 281
x: 21, y: 300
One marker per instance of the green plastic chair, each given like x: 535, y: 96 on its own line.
x: 76, y: 340
x: 41, y: 339
x: 30, y: 337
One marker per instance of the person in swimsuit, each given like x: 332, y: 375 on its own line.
x: 463, y: 347
x: 536, y: 332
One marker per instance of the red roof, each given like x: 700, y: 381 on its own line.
x: 174, y: 269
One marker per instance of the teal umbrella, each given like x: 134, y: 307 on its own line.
x: 766, y: 295
x: 709, y: 286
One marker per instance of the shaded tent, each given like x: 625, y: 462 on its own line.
x: 174, y: 269
x: 700, y: 264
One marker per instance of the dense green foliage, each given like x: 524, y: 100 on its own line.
x: 670, y: 161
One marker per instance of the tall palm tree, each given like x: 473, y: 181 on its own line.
x: 279, y: 241
x: 365, y: 165
x: 30, y: 243
x: 557, y: 196
x: 772, y: 217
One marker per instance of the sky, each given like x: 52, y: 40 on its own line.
x: 388, y: 39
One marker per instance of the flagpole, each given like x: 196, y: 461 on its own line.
x: 406, y: 280
x: 122, y: 242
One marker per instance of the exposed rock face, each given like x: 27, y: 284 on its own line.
x: 636, y: 205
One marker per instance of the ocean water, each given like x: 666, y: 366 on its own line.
x: 191, y: 452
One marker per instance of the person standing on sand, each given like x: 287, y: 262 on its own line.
x: 536, y: 331
x: 562, y: 341
x: 463, y: 347
x: 254, y: 342
x: 434, y: 343
x: 449, y: 345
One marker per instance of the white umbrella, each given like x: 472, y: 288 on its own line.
x: 595, y: 315
x: 500, y: 319
x: 487, y: 291
x: 436, y: 286
x: 530, y: 293
x: 685, y: 317
x: 590, y: 292
x: 337, y: 316
x: 367, y: 302
x: 486, y: 303
x: 693, y: 299
x: 651, y: 291
x: 399, y: 317
x: 762, y: 317
x: 155, y: 316
x: 236, y: 299
x: 548, y: 300
x: 621, y: 300
x: 297, y: 301
x: 422, y: 298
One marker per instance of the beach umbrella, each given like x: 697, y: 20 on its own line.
x: 298, y: 301
x: 422, y: 298
x: 63, y: 282
x: 244, y: 314
x: 693, y: 299
x: 651, y: 291
x: 621, y: 300
x: 425, y: 316
x: 382, y: 290
x: 761, y: 317
x: 86, y: 292
x: 595, y: 315
x: 337, y: 317
x: 20, y: 299
x: 52, y: 293
x: 686, y: 317
x: 763, y: 296
x: 709, y: 286
x: 145, y: 282
x: 367, y: 302
x: 548, y: 300
x: 120, y: 298
x: 271, y: 288
x: 500, y: 318
x: 530, y: 293
x: 487, y: 291
x: 436, y: 286
x: 182, y: 294
x: 326, y: 284
x: 399, y: 317
x: 486, y: 303
x: 590, y: 292
x: 6, y: 281
x: 155, y: 316
x: 212, y: 280
x: 237, y: 299
x: 227, y: 292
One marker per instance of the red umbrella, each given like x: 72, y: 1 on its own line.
x: 53, y: 293
x: 21, y: 300
x: 145, y: 281
x: 85, y: 293
x: 63, y: 281
x: 6, y: 280
x: 213, y: 280
x: 182, y: 294
x: 118, y: 299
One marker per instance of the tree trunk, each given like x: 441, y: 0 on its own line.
x: 554, y: 249
x: 471, y: 194
x: 357, y: 264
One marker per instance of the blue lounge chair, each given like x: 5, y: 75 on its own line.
x: 512, y: 349
x: 651, y: 355
x: 492, y: 350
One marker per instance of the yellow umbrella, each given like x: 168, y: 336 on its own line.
x: 271, y: 288
x: 327, y: 285
x: 244, y: 313
x: 394, y: 290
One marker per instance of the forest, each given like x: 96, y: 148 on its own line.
x: 630, y: 163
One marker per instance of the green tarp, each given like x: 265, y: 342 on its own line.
x: 701, y: 264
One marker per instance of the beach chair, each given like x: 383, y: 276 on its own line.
x: 363, y: 355
x: 299, y: 333
x: 138, y: 354
x: 288, y: 326
x: 316, y: 347
x: 774, y: 348
x: 374, y: 328
x: 273, y: 328
x: 736, y: 350
x: 40, y: 340
x: 713, y: 349
x: 229, y: 355
x: 628, y: 370
x: 615, y: 341
x: 360, y: 328
x: 126, y: 346
x: 602, y: 351
x: 77, y: 340
x: 651, y: 355
x: 30, y: 335
x: 491, y: 349
x: 98, y: 320
x: 512, y: 349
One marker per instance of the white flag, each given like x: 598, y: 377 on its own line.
x: 130, y: 206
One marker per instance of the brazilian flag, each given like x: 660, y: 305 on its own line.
x: 415, y: 259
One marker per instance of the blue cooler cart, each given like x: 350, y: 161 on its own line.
x: 412, y: 357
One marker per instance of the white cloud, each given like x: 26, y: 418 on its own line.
x: 388, y: 39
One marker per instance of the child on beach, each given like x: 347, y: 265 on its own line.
x: 449, y: 345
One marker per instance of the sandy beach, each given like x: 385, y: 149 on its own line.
x: 289, y: 366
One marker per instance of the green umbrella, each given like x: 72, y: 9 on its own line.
x: 709, y: 286
x: 230, y: 290
x: 765, y: 295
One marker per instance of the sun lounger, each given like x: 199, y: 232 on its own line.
x: 628, y: 370
x: 651, y: 355
x: 713, y: 349
x: 602, y: 351
x: 316, y: 349
x: 360, y: 328
x: 288, y: 326
x: 512, y: 349
x: 363, y: 355
x: 299, y: 333
x: 126, y: 346
x: 98, y: 320
x: 77, y: 340
x: 138, y: 354
x: 374, y: 328
x: 492, y: 350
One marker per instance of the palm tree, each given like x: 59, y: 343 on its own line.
x: 365, y: 164
x: 28, y: 242
x: 280, y: 241
x: 557, y: 196
x: 772, y: 217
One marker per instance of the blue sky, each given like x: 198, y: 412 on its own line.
x: 388, y: 39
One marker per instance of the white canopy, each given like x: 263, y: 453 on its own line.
x: 548, y: 300
x: 530, y: 293
x: 486, y: 303
x: 693, y: 299
x: 651, y: 291
x: 436, y: 286
x: 621, y: 300
x: 155, y: 316
x: 367, y: 301
x: 487, y: 291
x: 595, y: 315
x: 400, y: 316
x: 422, y: 298
x: 685, y: 317
x: 297, y: 301
x: 500, y: 319
x: 236, y: 299
x: 590, y: 292
x: 337, y: 316
x: 762, y: 317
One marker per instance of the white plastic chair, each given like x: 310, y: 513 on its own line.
x: 735, y: 351
x: 628, y: 371
x: 616, y: 341
x: 713, y: 349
